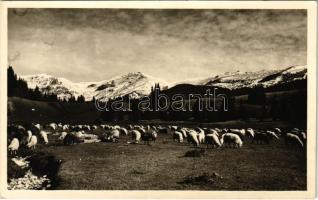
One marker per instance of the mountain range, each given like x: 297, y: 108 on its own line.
x: 137, y: 84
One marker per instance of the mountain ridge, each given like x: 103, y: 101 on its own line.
x: 137, y: 84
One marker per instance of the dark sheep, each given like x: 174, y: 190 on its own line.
x: 260, y: 138
x: 72, y: 139
x: 44, y: 164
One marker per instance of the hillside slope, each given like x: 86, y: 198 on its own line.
x: 24, y: 110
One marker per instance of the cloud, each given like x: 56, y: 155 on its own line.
x: 96, y: 44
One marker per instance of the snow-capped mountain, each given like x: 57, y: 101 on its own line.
x: 266, y: 78
x: 134, y: 84
x: 137, y: 84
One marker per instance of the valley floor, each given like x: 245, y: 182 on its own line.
x: 163, y: 166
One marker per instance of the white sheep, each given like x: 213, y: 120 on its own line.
x: 53, y: 126
x: 240, y: 132
x: 135, y: 135
x: 218, y: 130
x: 33, y: 141
x: 79, y: 134
x: 123, y: 130
x: 231, y: 138
x: 103, y: 126
x: 250, y: 132
x: 116, y: 127
x: 173, y: 128
x: 212, y: 131
x: 88, y: 127
x: 184, y: 132
x: 293, y: 139
x: 14, y: 146
x: 44, y: 136
x: 115, y: 133
x: 272, y: 134
x: 278, y: 130
x: 303, y: 136
x: 200, y: 135
x: 192, y: 138
x: 38, y: 126
x: 178, y: 136
x: 62, y: 136
x: 20, y: 127
x: 213, y: 140
x: 65, y: 127
x: 29, y: 135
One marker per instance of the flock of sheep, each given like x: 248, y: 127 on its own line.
x: 29, y: 135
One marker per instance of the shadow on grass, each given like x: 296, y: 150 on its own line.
x: 204, y: 179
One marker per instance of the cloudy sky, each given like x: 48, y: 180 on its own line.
x: 97, y: 44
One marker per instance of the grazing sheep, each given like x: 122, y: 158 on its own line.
x: 103, y: 126
x: 277, y: 130
x: 135, y: 136
x: 162, y: 130
x: 149, y: 135
x: 123, y: 131
x: 272, y: 135
x: 62, y: 136
x: 33, y: 141
x: 250, y: 132
x: 79, y: 134
x: 225, y: 130
x: 261, y: 137
x: 293, y: 139
x: 44, y: 137
x: 218, y: 130
x: 26, y: 138
x: 29, y: 135
x: 174, y: 128
x: 212, y: 139
x: 192, y: 138
x: 130, y: 127
x: 116, y: 127
x: 295, y: 130
x: 111, y: 136
x: 34, y: 129
x: 115, y: 133
x: 231, y: 139
x: 53, y: 126
x: 184, y: 132
x: 72, y: 139
x: 200, y: 135
x: 94, y: 127
x: 65, y: 127
x: 212, y: 131
x: 38, y: 126
x: 302, y: 136
x: 60, y: 125
x: 20, y: 127
x: 177, y: 136
x: 14, y: 146
x: 154, y: 136
x: 239, y: 132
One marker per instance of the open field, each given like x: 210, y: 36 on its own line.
x: 163, y: 166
